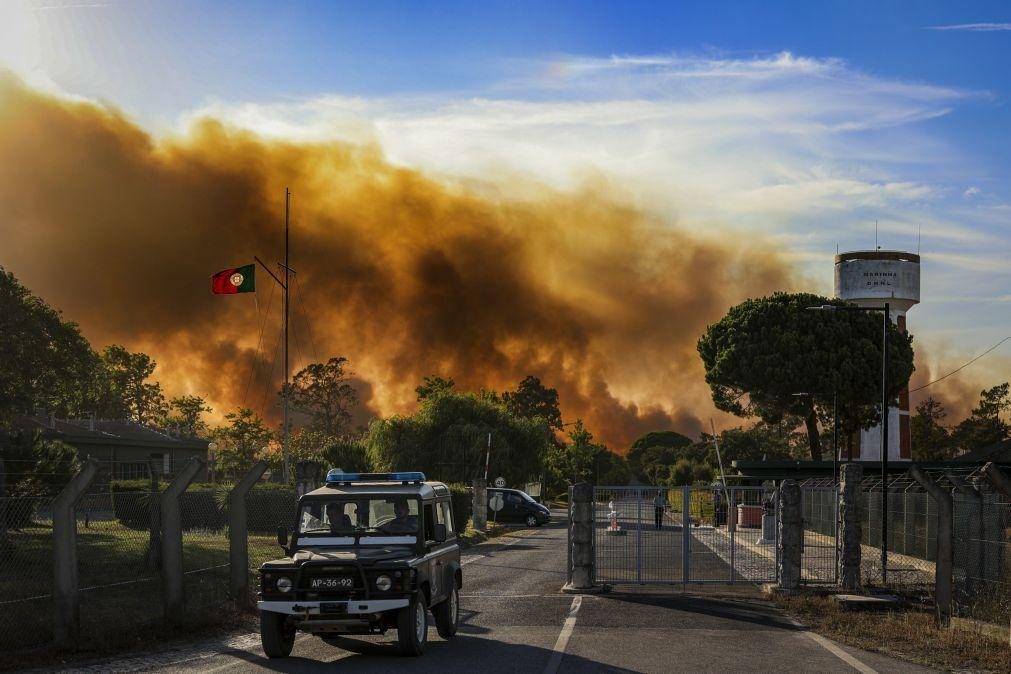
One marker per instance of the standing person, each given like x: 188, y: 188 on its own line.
x: 659, y: 505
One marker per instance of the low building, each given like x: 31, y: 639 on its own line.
x: 126, y: 447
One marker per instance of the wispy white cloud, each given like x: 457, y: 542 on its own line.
x: 802, y: 151
x: 974, y: 27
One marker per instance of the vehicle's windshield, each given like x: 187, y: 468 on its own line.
x: 527, y: 497
x: 365, y: 516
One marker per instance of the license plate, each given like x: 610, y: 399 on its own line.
x: 332, y: 583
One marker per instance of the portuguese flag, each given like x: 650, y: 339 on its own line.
x: 237, y: 280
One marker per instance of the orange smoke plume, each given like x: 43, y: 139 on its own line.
x: 404, y: 274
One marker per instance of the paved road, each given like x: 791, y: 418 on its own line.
x: 515, y: 620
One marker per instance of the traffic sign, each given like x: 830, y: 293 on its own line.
x: 499, y: 482
x: 496, y: 502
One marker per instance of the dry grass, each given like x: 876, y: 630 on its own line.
x: 910, y: 635
x: 472, y: 536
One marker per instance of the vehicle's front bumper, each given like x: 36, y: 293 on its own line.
x: 355, y: 607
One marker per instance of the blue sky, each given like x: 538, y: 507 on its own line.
x: 801, y: 122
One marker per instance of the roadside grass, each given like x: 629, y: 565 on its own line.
x: 121, y: 595
x: 909, y: 634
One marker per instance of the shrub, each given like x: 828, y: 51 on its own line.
x: 463, y: 501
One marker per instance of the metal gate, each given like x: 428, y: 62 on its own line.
x: 820, y: 555
x: 685, y: 534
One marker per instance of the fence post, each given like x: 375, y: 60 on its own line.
x: 154, y: 507
x: 849, y: 508
x: 581, y: 528
x: 568, y: 539
x: 307, y: 477
x: 998, y: 479
x: 66, y: 602
x: 974, y: 571
x: 238, y: 533
x: 791, y: 535
x: 943, y: 563
x: 479, y: 509
x: 172, y: 539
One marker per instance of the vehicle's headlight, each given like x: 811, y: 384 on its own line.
x: 284, y: 584
x: 383, y: 583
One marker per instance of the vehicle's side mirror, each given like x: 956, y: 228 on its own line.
x: 282, y: 536
x: 440, y: 533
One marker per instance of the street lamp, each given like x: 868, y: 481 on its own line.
x: 886, y: 318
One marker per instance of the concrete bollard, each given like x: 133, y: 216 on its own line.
x: 66, y: 602
x: 945, y: 554
x: 581, y: 535
x: 479, y: 509
x: 172, y: 540
x: 308, y: 476
x: 238, y: 534
x: 850, y: 532
x: 791, y: 535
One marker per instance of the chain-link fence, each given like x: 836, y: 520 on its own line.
x: 205, y: 549
x: 118, y: 569
x: 266, y: 511
x: 981, y: 538
x: 820, y: 512
x: 119, y: 555
x: 26, y: 571
x: 912, y: 537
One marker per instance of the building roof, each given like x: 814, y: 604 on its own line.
x: 999, y: 452
x: 109, y: 432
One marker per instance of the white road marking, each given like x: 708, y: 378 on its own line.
x: 563, y: 637
x: 836, y: 651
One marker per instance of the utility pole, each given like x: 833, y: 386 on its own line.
x: 884, y: 443
x: 487, y: 458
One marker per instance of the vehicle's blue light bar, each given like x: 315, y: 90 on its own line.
x: 337, y: 475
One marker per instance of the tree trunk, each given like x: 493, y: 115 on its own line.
x: 813, y: 438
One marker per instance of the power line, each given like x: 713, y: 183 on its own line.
x: 270, y: 373
x: 259, y: 341
x: 962, y: 367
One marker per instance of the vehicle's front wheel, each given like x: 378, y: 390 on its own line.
x: 447, y: 614
x: 276, y: 635
x: 531, y: 520
x: 412, y: 628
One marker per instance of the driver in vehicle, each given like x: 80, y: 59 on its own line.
x: 404, y: 522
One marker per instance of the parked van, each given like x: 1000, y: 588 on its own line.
x: 518, y: 506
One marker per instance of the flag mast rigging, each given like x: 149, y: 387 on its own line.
x: 288, y: 271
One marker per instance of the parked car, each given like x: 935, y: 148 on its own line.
x: 518, y: 506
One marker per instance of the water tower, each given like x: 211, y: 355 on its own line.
x: 871, y: 278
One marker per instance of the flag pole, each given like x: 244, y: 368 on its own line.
x: 284, y: 441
